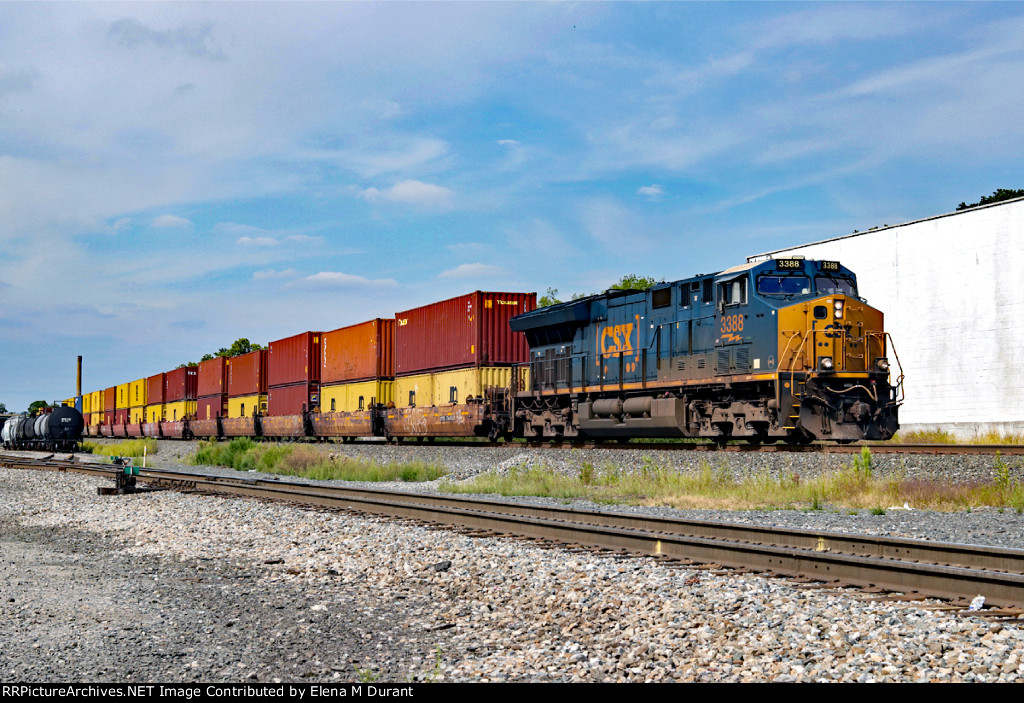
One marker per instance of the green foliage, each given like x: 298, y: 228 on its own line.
x: 3, y: 408
x: 878, y: 511
x: 36, y: 405
x: 997, y: 196
x: 240, y: 346
x: 131, y: 447
x: 549, y: 298
x: 633, y: 281
x: 243, y: 454
x: 630, y: 281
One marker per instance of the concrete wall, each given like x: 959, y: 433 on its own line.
x: 952, y: 290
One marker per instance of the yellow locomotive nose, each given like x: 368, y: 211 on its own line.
x: 831, y: 334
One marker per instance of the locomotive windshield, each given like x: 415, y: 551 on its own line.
x: 783, y: 285
x: 836, y: 284
x: 794, y: 285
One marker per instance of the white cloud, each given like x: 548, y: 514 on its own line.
x: 473, y: 271
x: 167, y: 221
x: 336, y: 279
x: 412, y: 192
x: 257, y: 241
x: 651, y: 192
x: 270, y: 274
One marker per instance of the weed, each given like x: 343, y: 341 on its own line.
x: 243, y: 454
x: 878, y: 511
x: 367, y: 675
x: 131, y: 447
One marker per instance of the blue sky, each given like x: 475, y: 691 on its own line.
x: 176, y: 176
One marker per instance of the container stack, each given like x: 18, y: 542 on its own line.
x: 109, y: 408
x: 247, y: 384
x: 180, y: 394
x: 121, y: 406
x: 454, y: 351
x: 453, y: 359
x: 137, y: 401
x: 357, y: 366
x: 212, y: 389
x: 155, y: 388
x: 293, y: 374
x: 96, y: 408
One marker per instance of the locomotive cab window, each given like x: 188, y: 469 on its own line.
x: 661, y: 298
x: 733, y: 292
x: 783, y: 285
x: 836, y: 284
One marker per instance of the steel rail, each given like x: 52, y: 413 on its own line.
x: 920, y: 567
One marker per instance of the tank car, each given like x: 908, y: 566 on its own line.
x: 784, y: 349
x: 60, y: 430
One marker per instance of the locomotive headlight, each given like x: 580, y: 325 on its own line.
x: 882, y: 364
x: 839, y: 308
x: 825, y: 363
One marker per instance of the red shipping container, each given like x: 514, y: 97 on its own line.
x: 156, y: 389
x: 108, y: 417
x: 181, y: 384
x: 121, y: 416
x: 289, y: 400
x: 110, y: 399
x: 211, y: 407
x: 294, y: 359
x: 360, y: 352
x: 247, y: 374
x: 213, y: 377
x: 470, y: 330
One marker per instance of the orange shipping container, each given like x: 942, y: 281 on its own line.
x: 360, y: 352
x: 294, y: 359
x: 156, y: 388
x: 213, y: 377
x: 247, y: 374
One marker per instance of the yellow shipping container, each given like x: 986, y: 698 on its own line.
x: 444, y: 387
x: 137, y: 393
x: 136, y: 414
x: 121, y: 399
x: 242, y: 405
x: 179, y: 410
x: 96, y: 402
x: 70, y: 402
x: 353, y: 397
x: 153, y: 413
x: 96, y: 418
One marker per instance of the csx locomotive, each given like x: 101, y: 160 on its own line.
x: 783, y: 349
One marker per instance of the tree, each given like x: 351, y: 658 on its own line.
x: 630, y: 281
x: 36, y: 405
x: 997, y: 196
x: 549, y: 298
x: 634, y: 282
x: 3, y: 408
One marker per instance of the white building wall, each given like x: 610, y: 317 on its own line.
x: 952, y: 291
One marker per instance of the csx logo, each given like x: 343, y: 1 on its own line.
x: 615, y: 339
x: 403, y: 323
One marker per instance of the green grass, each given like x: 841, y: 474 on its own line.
x: 131, y: 447
x: 853, y: 487
x: 943, y: 437
x: 244, y: 454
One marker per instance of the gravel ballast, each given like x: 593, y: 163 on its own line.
x: 171, y: 587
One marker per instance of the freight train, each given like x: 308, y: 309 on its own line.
x: 784, y: 349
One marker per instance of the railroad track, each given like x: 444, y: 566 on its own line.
x: 917, y: 568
